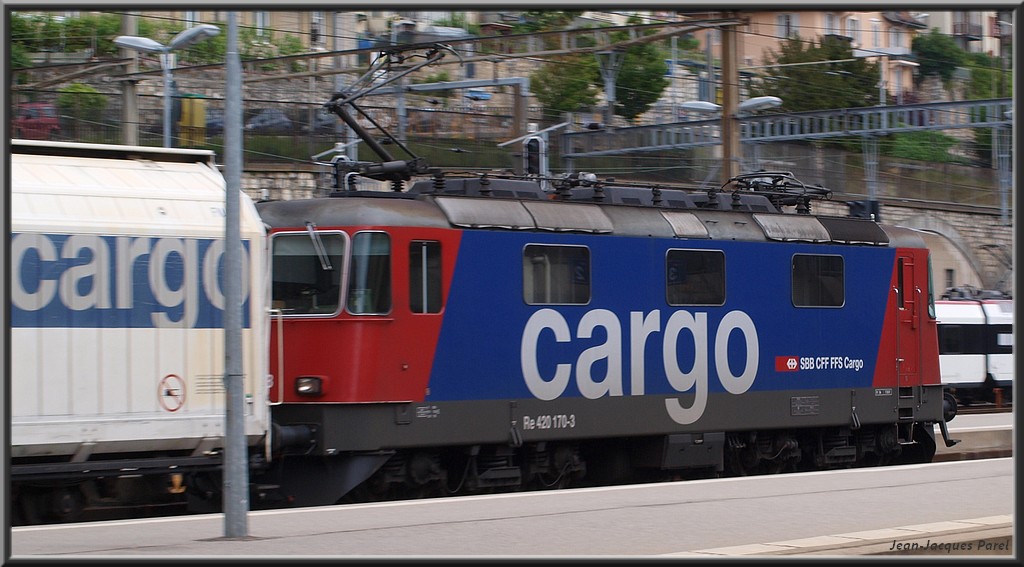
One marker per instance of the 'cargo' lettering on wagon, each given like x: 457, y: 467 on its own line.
x: 88, y: 280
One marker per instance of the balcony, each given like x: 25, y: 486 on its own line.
x: 967, y: 30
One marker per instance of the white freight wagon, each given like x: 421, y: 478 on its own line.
x: 117, y: 320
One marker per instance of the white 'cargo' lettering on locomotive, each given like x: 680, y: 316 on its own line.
x: 100, y: 278
x: 641, y: 327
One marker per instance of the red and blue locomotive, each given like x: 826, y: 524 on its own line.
x: 479, y: 333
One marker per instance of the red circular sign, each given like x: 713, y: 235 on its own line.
x: 172, y: 392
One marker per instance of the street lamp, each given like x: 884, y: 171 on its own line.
x: 180, y: 41
x: 744, y: 108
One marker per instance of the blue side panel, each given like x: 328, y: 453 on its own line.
x: 744, y: 344
x: 93, y: 281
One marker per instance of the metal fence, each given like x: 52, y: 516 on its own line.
x: 469, y: 137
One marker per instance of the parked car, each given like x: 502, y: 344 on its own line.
x: 269, y: 120
x: 214, y: 122
x: 36, y: 121
x: 323, y: 123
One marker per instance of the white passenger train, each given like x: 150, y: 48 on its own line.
x: 117, y: 338
x: 976, y: 345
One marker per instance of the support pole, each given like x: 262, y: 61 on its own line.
x: 167, y: 61
x: 731, y: 152
x: 129, y: 96
x: 610, y: 62
x: 236, y: 473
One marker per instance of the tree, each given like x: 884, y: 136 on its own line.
x: 641, y: 80
x: 566, y: 84
x: 81, y: 101
x: 848, y: 82
x: 938, y: 55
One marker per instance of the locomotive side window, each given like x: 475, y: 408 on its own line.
x: 818, y: 281
x: 369, y: 286
x: 556, y: 275
x: 425, y: 277
x: 307, y: 269
x: 695, y: 277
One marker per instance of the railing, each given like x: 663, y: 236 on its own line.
x: 867, y: 121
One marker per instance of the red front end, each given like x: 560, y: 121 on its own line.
x: 357, y: 311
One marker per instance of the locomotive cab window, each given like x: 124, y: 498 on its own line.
x: 369, y: 285
x: 306, y: 270
x: 695, y: 277
x: 425, y: 277
x: 818, y: 281
x: 556, y: 275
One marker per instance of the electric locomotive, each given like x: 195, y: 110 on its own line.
x: 479, y: 332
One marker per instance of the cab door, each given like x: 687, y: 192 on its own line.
x: 909, y: 302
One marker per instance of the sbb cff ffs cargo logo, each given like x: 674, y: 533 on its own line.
x: 786, y: 364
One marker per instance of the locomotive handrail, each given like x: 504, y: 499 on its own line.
x: 278, y: 315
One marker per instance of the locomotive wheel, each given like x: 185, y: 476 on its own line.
x: 65, y: 504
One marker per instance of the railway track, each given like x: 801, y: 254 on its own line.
x: 984, y: 408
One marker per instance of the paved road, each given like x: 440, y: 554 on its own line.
x: 733, y: 516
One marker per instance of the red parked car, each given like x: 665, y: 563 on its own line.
x: 36, y: 121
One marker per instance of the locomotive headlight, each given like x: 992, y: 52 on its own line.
x: 309, y: 385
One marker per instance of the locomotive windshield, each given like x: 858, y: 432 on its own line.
x: 307, y: 272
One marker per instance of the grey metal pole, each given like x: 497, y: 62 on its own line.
x: 165, y: 62
x: 129, y: 98
x: 236, y: 474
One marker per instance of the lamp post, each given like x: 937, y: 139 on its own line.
x: 180, y: 41
x: 744, y: 108
x: 610, y: 61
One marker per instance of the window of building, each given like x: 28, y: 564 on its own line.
x: 695, y: 277
x: 306, y: 272
x: 369, y: 283
x: 786, y: 25
x: 262, y: 24
x: 425, y: 276
x: 831, y: 24
x: 316, y: 29
x: 876, y: 33
x: 853, y: 30
x: 191, y: 18
x: 950, y: 276
x: 895, y: 37
x: 556, y: 275
x: 818, y: 281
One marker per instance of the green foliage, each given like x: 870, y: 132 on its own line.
x: 458, y: 20
x: 843, y: 84
x: 19, y: 57
x: 640, y: 81
x: 210, y: 50
x: 292, y: 45
x: 925, y: 145
x: 95, y: 32
x: 544, y: 20
x: 439, y: 77
x: 688, y: 43
x: 937, y: 54
x: 988, y: 78
x: 80, y: 100
x: 566, y: 84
